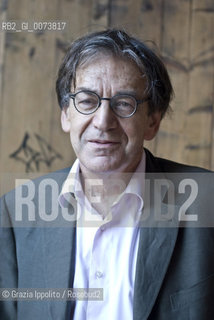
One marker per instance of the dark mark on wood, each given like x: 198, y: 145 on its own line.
x: 32, y: 52
x: 193, y: 147
x: 175, y: 64
x: 165, y: 134
x: 203, y: 63
x: 62, y: 45
x: 187, y: 68
x: 146, y: 6
x: 39, y: 33
x: 9, y: 42
x: 4, y: 5
x: 204, y: 52
x: 99, y: 10
x: 118, y: 10
x: 1, y: 68
x: 199, y: 109
x: 205, y: 10
x: 31, y: 157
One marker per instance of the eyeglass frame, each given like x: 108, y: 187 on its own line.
x: 137, y: 102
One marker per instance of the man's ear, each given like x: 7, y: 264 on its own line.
x: 65, y: 120
x: 153, y: 125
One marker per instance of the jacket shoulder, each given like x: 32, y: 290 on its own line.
x: 157, y: 164
x: 56, y: 177
x: 171, y: 166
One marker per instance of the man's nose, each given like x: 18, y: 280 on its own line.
x: 104, y: 118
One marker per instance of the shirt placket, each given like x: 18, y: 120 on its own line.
x: 98, y: 273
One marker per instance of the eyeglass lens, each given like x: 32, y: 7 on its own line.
x: 88, y: 102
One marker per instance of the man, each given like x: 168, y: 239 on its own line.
x: 125, y: 239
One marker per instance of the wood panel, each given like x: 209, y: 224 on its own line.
x: 28, y: 81
x: 188, y: 138
x: 175, y: 51
x: 200, y: 104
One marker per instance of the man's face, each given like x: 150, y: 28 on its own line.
x: 102, y: 141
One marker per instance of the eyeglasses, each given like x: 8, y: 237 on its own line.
x: 123, y: 105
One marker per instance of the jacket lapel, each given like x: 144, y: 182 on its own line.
x: 155, y: 251
x: 156, y: 245
x: 59, y: 238
x: 60, y: 250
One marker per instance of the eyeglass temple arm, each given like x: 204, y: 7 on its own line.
x: 143, y: 100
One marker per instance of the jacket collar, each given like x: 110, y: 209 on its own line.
x: 156, y: 245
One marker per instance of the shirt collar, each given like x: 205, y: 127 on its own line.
x: 72, y: 185
x: 136, y: 184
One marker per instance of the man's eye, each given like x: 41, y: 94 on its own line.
x: 87, y: 102
x: 123, y: 104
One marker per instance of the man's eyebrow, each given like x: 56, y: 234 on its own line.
x: 84, y: 89
x: 126, y: 92
x: 132, y: 93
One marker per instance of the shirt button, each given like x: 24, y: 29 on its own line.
x: 99, y: 274
x: 102, y: 228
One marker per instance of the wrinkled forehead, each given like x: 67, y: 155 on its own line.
x: 104, y: 62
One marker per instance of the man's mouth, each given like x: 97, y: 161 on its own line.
x: 103, y: 143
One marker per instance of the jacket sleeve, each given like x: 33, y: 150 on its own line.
x: 8, y: 263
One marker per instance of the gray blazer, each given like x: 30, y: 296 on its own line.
x: 175, y: 265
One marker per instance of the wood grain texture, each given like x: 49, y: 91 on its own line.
x: 200, y: 91
x: 28, y: 81
x: 175, y: 51
x: 3, y: 17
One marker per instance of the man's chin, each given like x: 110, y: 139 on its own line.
x: 102, y: 165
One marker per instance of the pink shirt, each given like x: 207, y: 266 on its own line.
x: 106, y: 252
